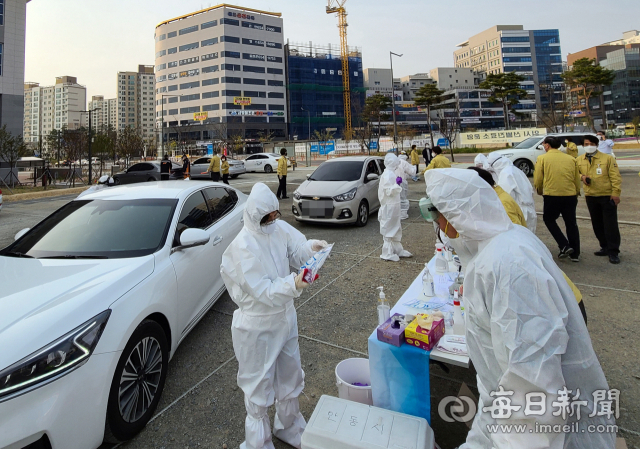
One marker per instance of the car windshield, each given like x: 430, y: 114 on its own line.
x: 338, y: 171
x: 531, y: 142
x: 98, y: 229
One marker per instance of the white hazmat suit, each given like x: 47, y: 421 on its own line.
x: 256, y: 271
x: 405, y: 170
x: 525, y: 332
x: 482, y: 161
x: 389, y: 214
x: 515, y: 183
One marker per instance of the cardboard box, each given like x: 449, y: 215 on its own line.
x: 421, y: 338
x: 390, y: 335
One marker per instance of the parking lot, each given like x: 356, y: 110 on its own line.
x: 202, y: 406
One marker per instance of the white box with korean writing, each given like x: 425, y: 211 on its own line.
x: 341, y: 424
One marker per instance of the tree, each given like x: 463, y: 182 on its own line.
x: 588, y: 78
x: 129, y: 144
x: 554, y: 116
x: 450, y: 125
x: 12, y: 148
x: 505, y: 91
x: 374, y: 110
x: 53, y: 143
x: 104, y: 148
x: 265, y: 136
x: 426, y: 97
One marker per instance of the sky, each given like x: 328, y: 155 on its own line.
x: 94, y: 39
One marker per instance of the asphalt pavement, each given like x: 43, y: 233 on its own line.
x: 202, y: 406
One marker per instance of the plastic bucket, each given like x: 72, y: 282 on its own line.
x: 352, y: 371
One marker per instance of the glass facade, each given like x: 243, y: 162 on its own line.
x: 315, y: 85
x: 623, y: 101
x: 548, y: 62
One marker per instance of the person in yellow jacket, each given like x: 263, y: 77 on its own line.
x: 214, y: 167
x: 282, y: 175
x: 602, y: 185
x: 224, y: 169
x: 415, y: 158
x: 572, y: 148
x: 517, y: 217
x: 439, y: 160
x: 556, y: 178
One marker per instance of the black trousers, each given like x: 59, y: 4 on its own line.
x: 554, y: 206
x: 604, y: 219
x: 417, y: 169
x: 225, y: 178
x: 215, y: 176
x: 282, y: 187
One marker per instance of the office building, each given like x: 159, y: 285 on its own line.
x: 315, y: 89
x: 628, y: 37
x: 135, y: 103
x: 378, y: 82
x: 412, y: 83
x: 220, y: 72
x: 470, y: 108
x: 449, y: 78
x: 13, y: 15
x: 534, y: 54
x: 104, y: 113
x: 622, y: 98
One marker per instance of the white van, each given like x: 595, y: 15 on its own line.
x: 525, y: 154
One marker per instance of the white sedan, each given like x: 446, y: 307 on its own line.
x: 266, y: 162
x: 95, y: 300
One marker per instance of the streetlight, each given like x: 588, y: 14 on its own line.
x: 90, y: 137
x: 162, y: 118
x: 309, y: 113
x: 393, y: 98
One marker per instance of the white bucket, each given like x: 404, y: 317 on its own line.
x: 352, y: 371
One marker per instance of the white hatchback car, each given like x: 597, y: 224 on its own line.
x: 95, y: 300
x: 267, y: 162
x: 525, y: 154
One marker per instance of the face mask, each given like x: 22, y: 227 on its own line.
x: 269, y: 229
x: 590, y: 149
x: 466, y: 250
x: 601, y: 137
x: 433, y: 154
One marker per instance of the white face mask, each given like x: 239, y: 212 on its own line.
x: 601, y: 137
x: 268, y: 229
x: 466, y: 250
x: 433, y: 154
x: 590, y: 149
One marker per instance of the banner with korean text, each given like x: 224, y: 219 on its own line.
x: 510, y: 136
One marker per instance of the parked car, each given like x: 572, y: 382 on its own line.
x: 141, y: 172
x: 342, y: 190
x: 200, y: 166
x: 95, y: 300
x: 525, y: 154
x: 267, y: 162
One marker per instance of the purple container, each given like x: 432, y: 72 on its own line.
x: 391, y: 335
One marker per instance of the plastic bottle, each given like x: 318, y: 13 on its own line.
x: 459, y: 327
x: 442, y: 266
x: 383, y: 307
x: 427, y: 283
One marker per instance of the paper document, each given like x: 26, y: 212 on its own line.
x: 314, y: 264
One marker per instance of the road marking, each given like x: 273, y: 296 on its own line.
x: 609, y: 288
x: 332, y: 345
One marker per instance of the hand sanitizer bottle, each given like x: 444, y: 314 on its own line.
x: 383, y: 307
x: 459, y: 327
x: 427, y: 283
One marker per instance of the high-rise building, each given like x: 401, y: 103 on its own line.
x: 449, y: 78
x: 135, y: 103
x: 534, y: 54
x: 622, y: 98
x: 104, y: 113
x: 32, y: 126
x: 12, y: 37
x: 315, y: 88
x: 220, y: 72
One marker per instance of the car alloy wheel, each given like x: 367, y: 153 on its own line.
x: 525, y: 166
x: 116, y: 181
x: 363, y: 214
x: 268, y: 169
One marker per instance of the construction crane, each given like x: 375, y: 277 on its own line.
x: 337, y: 7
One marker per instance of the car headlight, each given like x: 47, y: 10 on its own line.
x: 296, y: 195
x: 508, y: 155
x: 348, y: 196
x: 63, y: 354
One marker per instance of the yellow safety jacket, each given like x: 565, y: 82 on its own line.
x: 556, y: 174
x: 282, y: 166
x: 604, y: 173
x: 440, y: 161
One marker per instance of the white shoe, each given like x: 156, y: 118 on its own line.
x: 393, y: 258
x: 405, y: 253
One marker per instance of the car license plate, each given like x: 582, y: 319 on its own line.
x: 317, y: 209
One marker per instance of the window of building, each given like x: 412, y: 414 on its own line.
x: 208, y: 42
x: 255, y: 26
x: 172, y: 50
x: 276, y: 83
x: 255, y: 81
x: 213, y: 94
x: 209, y: 56
x: 210, y: 69
x: 232, y: 67
x: 191, y: 85
x: 190, y: 110
x: 172, y: 34
x: 255, y: 94
x: 189, y: 97
x: 274, y: 59
x: 172, y: 100
x: 276, y: 107
x: 231, y: 93
x: 210, y: 81
x: 276, y: 95
x: 1, y: 12
x: 231, y: 106
x: 173, y: 112
x: 211, y: 107
x: 252, y: 57
x: 252, y: 68
x: 231, y: 54
x: 226, y: 21
x: 188, y: 30
x: 275, y: 71
x: 254, y: 42
x: 274, y: 45
x: 273, y: 29
x: 209, y: 24
x: 232, y: 39
x: 189, y: 60
x: 231, y: 80
x: 159, y: 54
x: 191, y: 46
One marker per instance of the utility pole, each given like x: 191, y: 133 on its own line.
x: 393, y: 101
x: 89, y: 152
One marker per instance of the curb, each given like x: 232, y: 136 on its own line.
x: 45, y: 194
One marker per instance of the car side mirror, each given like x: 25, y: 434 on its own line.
x: 21, y: 233
x: 372, y: 177
x: 309, y: 176
x: 191, y: 238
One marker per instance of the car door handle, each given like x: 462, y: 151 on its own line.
x: 217, y: 240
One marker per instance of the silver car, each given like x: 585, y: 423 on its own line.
x: 200, y: 166
x: 343, y: 190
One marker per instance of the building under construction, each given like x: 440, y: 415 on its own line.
x: 315, y: 88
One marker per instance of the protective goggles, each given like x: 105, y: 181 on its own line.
x: 428, y: 210
x: 270, y: 218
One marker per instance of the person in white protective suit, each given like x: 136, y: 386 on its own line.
x: 525, y: 332
x: 481, y: 161
x: 389, y: 191
x: 256, y: 271
x: 515, y: 183
x: 405, y: 170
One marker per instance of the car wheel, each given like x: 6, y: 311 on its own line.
x: 268, y: 169
x: 525, y: 165
x: 137, y: 382
x: 116, y: 181
x: 363, y: 214
x: 234, y: 176
x: 151, y: 179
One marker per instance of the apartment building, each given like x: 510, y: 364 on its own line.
x: 104, y: 113
x: 221, y: 69
x: 449, y: 78
x: 12, y: 41
x: 135, y: 102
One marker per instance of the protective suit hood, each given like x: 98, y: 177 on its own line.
x: 481, y: 160
x: 498, y: 162
x: 391, y: 161
x: 468, y: 203
x: 261, y: 202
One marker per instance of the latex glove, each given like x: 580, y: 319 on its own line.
x: 318, y: 245
x: 300, y: 283
x: 399, y: 180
